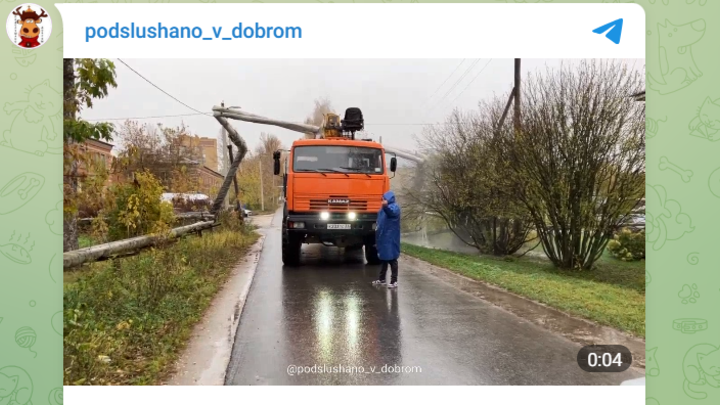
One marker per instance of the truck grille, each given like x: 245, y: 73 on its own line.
x: 324, y: 205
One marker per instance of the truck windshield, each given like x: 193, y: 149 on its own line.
x: 345, y: 159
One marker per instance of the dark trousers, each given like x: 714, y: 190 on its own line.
x: 383, y: 270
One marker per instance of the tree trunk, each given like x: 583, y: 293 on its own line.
x: 70, y: 228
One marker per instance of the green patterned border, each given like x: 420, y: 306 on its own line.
x: 683, y: 112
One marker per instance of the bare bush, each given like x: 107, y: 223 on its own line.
x: 466, y: 183
x: 579, y: 159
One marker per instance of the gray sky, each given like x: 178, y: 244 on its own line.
x: 395, y: 95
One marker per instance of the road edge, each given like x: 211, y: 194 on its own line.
x: 195, y: 366
x: 537, y: 313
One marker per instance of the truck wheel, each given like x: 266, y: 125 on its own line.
x: 291, y: 246
x: 371, y: 254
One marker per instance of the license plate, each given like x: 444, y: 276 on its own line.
x: 338, y: 226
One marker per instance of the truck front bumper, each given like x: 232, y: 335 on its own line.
x: 333, y: 224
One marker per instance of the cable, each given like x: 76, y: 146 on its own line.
x: 471, y: 82
x: 454, y: 85
x: 443, y: 83
x: 166, y: 93
x: 147, y: 117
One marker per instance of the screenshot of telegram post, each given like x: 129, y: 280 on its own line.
x: 351, y: 195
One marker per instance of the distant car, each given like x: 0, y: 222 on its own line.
x: 247, y: 213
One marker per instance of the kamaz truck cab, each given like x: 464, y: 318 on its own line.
x: 333, y: 187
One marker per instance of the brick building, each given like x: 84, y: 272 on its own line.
x: 205, y: 172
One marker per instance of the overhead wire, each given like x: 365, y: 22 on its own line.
x: 443, y: 83
x: 471, y: 82
x: 157, y: 87
x: 453, y: 86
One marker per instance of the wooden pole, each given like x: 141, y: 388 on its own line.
x: 517, y: 93
x: 106, y: 250
x: 262, y: 190
x: 232, y: 170
x: 237, y: 190
x: 507, y: 108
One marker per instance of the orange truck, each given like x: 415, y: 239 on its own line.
x: 333, y: 187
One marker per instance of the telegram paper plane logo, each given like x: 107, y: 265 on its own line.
x: 615, y: 32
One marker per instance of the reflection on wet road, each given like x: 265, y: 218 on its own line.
x: 326, y: 314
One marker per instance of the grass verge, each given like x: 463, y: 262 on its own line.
x: 613, y: 294
x: 126, y: 321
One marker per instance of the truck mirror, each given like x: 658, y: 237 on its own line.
x: 393, y: 164
x: 276, y: 158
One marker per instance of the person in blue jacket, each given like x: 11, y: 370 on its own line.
x: 387, y: 238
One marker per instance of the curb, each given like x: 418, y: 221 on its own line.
x: 206, y: 356
x: 240, y: 305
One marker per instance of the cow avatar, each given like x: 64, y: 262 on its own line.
x: 29, y: 30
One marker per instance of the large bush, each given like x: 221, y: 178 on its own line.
x: 466, y: 184
x: 578, y: 158
x: 628, y: 245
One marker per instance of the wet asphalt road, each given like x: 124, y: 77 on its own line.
x: 327, y: 313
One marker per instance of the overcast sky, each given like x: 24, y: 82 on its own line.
x: 395, y: 95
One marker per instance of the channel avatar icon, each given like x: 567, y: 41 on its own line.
x: 28, y: 26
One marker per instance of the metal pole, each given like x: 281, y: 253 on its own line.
x: 262, y: 190
x: 517, y: 95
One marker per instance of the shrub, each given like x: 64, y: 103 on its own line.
x: 139, y: 209
x: 628, y: 245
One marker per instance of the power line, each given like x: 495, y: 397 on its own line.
x: 454, y: 85
x: 471, y: 82
x: 443, y: 83
x: 153, y: 84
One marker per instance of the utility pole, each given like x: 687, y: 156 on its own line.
x: 262, y: 190
x: 238, y: 205
x: 517, y: 91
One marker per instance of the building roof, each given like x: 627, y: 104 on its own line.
x: 185, y: 196
x: 106, y: 144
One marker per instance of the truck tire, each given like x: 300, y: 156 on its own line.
x: 291, y: 247
x: 371, y: 254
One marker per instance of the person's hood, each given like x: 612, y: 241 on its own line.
x: 390, y: 197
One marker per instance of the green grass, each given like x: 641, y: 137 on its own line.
x: 85, y: 241
x: 125, y: 322
x: 612, y: 294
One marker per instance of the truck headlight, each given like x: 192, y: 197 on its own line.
x: 324, y: 215
x: 352, y: 216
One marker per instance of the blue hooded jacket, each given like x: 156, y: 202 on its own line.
x: 387, y: 234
